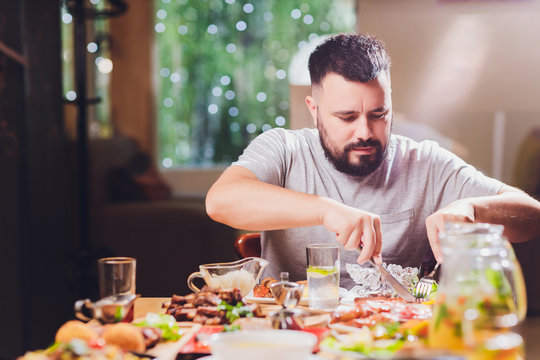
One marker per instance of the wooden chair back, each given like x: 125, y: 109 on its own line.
x: 247, y: 245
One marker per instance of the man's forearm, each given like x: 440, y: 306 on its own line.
x: 252, y: 205
x: 518, y: 212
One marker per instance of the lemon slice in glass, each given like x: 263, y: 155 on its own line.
x: 319, y: 272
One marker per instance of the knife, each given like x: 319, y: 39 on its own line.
x: 394, y: 283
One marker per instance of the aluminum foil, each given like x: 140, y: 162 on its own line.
x: 370, y: 282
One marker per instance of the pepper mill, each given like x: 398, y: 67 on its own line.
x: 287, y: 294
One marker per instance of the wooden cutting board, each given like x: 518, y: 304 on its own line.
x: 169, y: 350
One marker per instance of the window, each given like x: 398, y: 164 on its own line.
x: 222, y: 70
x: 98, y: 69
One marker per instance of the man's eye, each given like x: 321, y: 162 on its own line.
x: 348, y: 118
x: 377, y: 116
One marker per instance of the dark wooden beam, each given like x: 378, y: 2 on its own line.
x: 11, y: 184
x: 38, y: 242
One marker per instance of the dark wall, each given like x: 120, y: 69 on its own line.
x: 37, y: 243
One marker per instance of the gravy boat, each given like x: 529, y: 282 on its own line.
x: 242, y: 274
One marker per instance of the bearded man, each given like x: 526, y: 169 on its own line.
x: 352, y: 181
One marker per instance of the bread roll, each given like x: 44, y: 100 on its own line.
x: 124, y: 335
x: 74, y: 329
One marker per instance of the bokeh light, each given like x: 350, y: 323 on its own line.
x: 241, y: 25
x: 160, y: 27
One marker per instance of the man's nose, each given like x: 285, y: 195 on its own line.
x: 362, y: 130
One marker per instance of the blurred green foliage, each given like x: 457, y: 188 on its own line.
x: 221, y: 70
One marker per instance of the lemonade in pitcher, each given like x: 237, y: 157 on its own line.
x: 481, y: 296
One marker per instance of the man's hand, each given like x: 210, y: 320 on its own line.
x: 458, y: 211
x: 354, y: 227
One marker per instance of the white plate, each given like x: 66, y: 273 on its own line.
x: 261, y: 300
x: 211, y: 357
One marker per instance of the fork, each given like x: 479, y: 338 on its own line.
x: 425, y: 284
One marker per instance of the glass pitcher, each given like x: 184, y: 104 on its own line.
x: 481, y: 296
x: 242, y: 274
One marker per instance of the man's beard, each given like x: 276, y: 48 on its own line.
x: 365, y: 165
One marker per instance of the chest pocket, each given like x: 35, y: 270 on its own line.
x: 397, y: 217
x: 397, y: 230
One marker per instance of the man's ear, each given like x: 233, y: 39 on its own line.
x: 312, y: 107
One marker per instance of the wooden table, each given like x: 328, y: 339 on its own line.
x: 144, y: 305
x: 530, y: 328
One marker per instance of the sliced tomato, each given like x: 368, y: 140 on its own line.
x: 96, y: 343
x: 261, y: 291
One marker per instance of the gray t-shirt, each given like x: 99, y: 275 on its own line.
x: 414, y: 181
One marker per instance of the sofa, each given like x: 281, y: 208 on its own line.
x: 169, y: 236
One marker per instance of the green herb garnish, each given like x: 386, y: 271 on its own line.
x: 229, y: 328
x: 167, y: 323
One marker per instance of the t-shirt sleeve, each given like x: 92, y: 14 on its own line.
x: 453, y: 179
x: 266, y: 156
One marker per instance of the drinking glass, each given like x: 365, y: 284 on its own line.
x: 116, y: 276
x: 323, y: 276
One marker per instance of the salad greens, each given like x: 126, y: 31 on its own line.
x: 234, y: 312
x: 167, y: 323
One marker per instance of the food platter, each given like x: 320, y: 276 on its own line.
x: 378, y: 328
x: 381, y: 342
x: 193, y: 333
x: 250, y: 298
x: 191, y: 342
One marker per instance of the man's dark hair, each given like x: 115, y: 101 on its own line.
x: 355, y: 57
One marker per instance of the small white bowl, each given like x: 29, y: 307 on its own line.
x: 262, y: 345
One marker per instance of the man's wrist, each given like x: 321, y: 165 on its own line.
x: 324, y: 205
